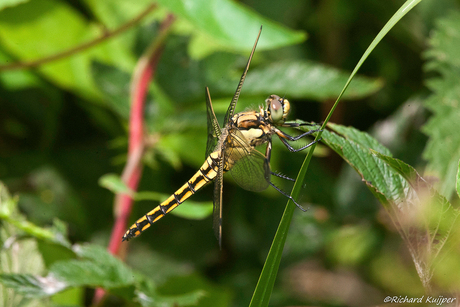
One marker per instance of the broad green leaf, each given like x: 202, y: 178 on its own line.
x: 113, y: 13
x: 118, y: 50
x: 30, y: 285
x: 189, y: 209
x: 53, y: 196
x: 297, y: 79
x: 114, y: 183
x: 52, y: 235
x: 148, y: 296
x: 9, y: 214
x: 377, y: 175
x: 7, y: 3
x: 444, y: 43
x: 443, y: 148
x: 8, y: 204
x: 17, y: 254
x: 185, y: 289
x: 95, y: 267
x: 231, y: 25
x: 426, y: 221
x: 408, y: 172
x: 39, y: 29
x: 194, y: 210
x: 407, y: 198
x: 114, y: 84
x: 194, y: 141
x: 351, y: 244
x: 17, y: 79
x: 362, y: 138
x: 183, y: 79
x: 306, y: 79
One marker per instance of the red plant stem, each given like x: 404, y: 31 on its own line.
x: 144, y: 72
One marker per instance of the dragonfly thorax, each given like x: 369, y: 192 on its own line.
x: 277, y: 109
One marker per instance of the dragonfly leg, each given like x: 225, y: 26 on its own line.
x: 294, y: 124
x: 282, y: 176
x: 292, y: 149
x: 268, y: 155
x: 288, y: 196
x: 284, y: 135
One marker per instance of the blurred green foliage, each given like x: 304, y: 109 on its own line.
x: 63, y: 126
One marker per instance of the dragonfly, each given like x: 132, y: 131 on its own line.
x: 233, y: 149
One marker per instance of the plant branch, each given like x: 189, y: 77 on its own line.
x: 58, y: 56
x: 143, y: 74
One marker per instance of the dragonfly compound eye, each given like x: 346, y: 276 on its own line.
x: 278, y: 108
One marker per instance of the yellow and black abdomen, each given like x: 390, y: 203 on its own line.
x: 205, y: 174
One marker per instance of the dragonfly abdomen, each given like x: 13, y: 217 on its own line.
x: 205, y: 174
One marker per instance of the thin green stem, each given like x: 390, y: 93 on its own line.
x: 58, y: 56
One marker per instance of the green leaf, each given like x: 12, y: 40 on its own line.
x: 298, y: 79
x: 31, y: 286
x: 443, y: 148
x: 362, y: 138
x: 18, y: 79
x: 9, y: 213
x: 96, y: 267
x: 223, y: 22
x: 17, y: 254
x: 7, y: 3
x: 114, y: 84
x: 38, y: 29
x: 53, y: 196
x: 307, y: 79
x: 115, y: 12
x: 8, y: 205
x: 149, y: 297
x: 193, y: 210
x: 351, y: 244
x: 405, y: 170
x: 189, y: 210
x: 445, y: 43
x: 425, y: 219
x: 386, y: 186
x: 185, y: 289
x: 114, y: 183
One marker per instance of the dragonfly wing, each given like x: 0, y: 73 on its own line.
x: 217, y: 201
x: 214, y: 130
x: 250, y: 169
x: 231, y: 107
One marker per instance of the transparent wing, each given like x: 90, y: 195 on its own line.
x: 217, y: 201
x: 250, y: 169
x: 214, y: 130
x: 235, y: 155
x: 231, y: 107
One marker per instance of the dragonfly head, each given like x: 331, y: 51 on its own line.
x: 277, y: 109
